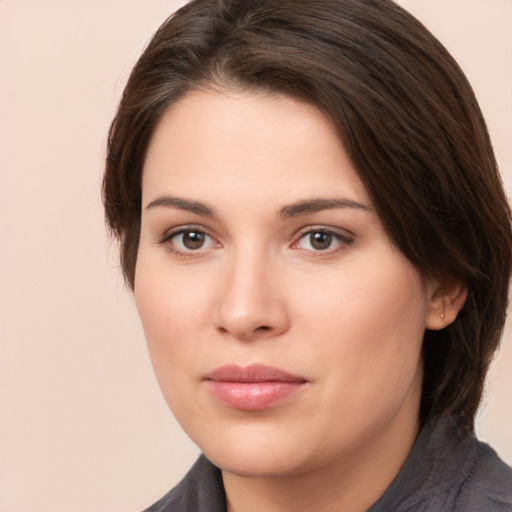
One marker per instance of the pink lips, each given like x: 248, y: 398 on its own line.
x: 252, y: 388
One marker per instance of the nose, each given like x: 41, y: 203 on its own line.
x: 252, y: 302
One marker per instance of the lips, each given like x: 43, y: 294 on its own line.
x: 254, y: 387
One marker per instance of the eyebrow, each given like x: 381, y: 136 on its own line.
x: 182, y: 204
x: 316, y: 205
x: 303, y: 207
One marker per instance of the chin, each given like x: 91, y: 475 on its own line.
x: 257, y: 451
x: 253, y: 462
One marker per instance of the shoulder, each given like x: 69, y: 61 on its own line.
x: 467, y: 476
x: 488, y: 486
x: 448, y: 469
x: 201, y: 490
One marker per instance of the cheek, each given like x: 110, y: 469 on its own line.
x: 174, y: 314
x: 374, y: 319
x: 171, y: 309
x: 168, y: 301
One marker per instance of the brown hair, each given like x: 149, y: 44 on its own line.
x: 407, y: 117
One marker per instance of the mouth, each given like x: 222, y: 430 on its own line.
x: 254, y: 387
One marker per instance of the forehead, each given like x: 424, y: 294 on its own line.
x: 210, y: 141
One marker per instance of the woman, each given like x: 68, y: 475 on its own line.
x: 318, y: 241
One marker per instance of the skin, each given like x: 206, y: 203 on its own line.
x: 349, y: 318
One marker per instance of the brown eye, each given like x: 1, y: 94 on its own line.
x: 193, y: 239
x: 189, y: 240
x: 320, y: 241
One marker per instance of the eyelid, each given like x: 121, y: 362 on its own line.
x: 345, y: 237
x: 166, y: 240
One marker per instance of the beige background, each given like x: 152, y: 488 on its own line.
x: 83, y: 427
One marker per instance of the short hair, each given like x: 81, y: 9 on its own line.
x: 405, y: 114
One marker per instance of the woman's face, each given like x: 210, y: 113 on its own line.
x: 284, y: 328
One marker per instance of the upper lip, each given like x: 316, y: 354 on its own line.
x: 251, y: 373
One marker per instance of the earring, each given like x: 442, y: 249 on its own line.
x: 442, y: 315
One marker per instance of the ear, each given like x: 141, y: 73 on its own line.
x: 446, y: 300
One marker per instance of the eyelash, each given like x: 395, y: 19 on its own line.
x: 342, y: 240
x: 168, y: 237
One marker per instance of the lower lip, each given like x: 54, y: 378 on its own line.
x: 253, y: 396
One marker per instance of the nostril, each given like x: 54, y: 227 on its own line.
x: 264, y: 328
